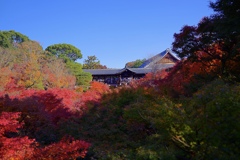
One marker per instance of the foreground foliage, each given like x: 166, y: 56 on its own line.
x: 14, y: 146
x: 190, y: 112
x: 145, y: 124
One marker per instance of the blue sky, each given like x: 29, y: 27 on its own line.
x: 115, y: 31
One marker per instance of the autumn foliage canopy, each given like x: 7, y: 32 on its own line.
x: 50, y: 110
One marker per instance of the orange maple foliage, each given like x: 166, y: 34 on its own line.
x: 5, y: 77
x: 55, y: 74
x: 99, y: 87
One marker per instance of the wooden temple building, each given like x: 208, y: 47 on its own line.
x: 116, y: 77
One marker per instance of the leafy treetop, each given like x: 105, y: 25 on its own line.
x: 9, y: 39
x: 214, y: 38
x: 65, y: 51
x: 93, y: 63
x: 135, y: 64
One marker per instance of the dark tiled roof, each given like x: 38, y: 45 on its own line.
x: 117, y: 71
x: 148, y: 66
x: 149, y: 63
x: 103, y: 71
x: 134, y: 70
x: 140, y: 70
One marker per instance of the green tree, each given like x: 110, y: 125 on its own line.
x: 135, y: 64
x: 70, y: 54
x: 214, y: 38
x: 82, y: 78
x: 4, y: 42
x: 10, y: 38
x: 228, y: 15
x: 93, y: 63
x: 65, y: 51
x: 210, y: 118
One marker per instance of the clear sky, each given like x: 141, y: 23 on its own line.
x: 115, y: 31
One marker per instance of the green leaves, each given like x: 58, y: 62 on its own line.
x: 65, y: 51
x: 70, y: 54
x: 9, y: 39
x: 211, y: 114
x: 135, y: 64
x: 4, y: 42
x: 92, y: 63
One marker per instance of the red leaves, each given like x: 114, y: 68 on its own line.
x: 150, y: 80
x: 179, y: 80
x: 51, y: 100
x: 17, y: 147
x: 8, y: 122
x: 42, y: 112
x: 24, y: 148
x: 93, y: 94
x: 65, y: 149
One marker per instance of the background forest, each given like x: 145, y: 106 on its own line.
x: 50, y: 109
